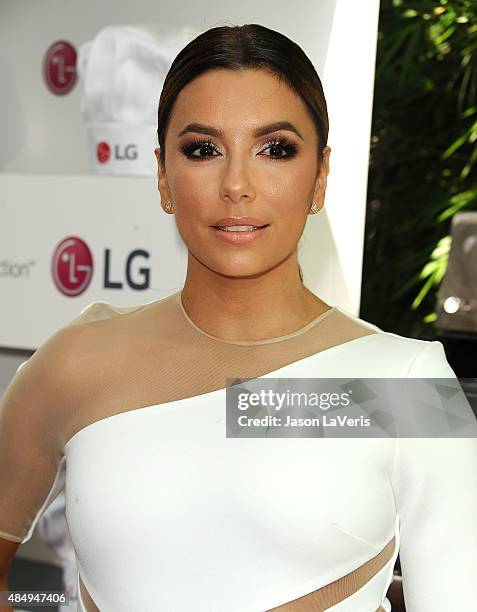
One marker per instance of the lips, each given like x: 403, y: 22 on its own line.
x: 227, y: 221
x: 245, y: 228
x: 239, y: 237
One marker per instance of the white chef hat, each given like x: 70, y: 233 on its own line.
x: 121, y: 72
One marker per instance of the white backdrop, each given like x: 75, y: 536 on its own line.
x: 48, y: 194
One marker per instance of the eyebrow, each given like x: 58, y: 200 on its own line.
x: 261, y: 131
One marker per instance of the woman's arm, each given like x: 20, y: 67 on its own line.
x: 7, y: 553
x: 435, y: 485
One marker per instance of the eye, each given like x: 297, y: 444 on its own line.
x: 204, y: 147
x: 280, y: 146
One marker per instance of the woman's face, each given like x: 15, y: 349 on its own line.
x: 218, y: 166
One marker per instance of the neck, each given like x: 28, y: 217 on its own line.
x: 251, y: 308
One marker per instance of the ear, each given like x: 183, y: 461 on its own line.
x: 162, y: 184
x: 321, y: 178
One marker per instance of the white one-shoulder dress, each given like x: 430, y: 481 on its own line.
x: 166, y: 513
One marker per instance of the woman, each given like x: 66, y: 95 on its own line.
x: 166, y: 512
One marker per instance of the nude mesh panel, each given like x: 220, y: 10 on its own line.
x: 153, y: 354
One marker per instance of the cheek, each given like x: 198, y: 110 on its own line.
x: 288, y: 183
x: 196, y: 191
x: 194, y: 214
x: 287, y: 198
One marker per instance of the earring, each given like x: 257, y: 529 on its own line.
x: 168, y: 206
x: 314, y: 208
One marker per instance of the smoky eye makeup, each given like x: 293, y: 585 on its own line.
x: 276, y: 149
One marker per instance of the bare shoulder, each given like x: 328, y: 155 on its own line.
x: 67, y: 347
x: 65, y: 362
x: 91, y: 343
x: 84, y: 359
x: 102, y: 311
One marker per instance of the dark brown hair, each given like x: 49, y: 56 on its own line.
x: 249, y: 46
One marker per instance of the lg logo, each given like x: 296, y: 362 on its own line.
x: 59, y: 67
x: 103, y: 152
x: 72, y: 268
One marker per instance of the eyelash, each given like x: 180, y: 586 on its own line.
x: 288, y: 146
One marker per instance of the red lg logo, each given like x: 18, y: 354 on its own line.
x: 103, y: 152
x: 59, y: 67
x: 72, y: 266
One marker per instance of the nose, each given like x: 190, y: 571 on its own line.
x: 236, y: 184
